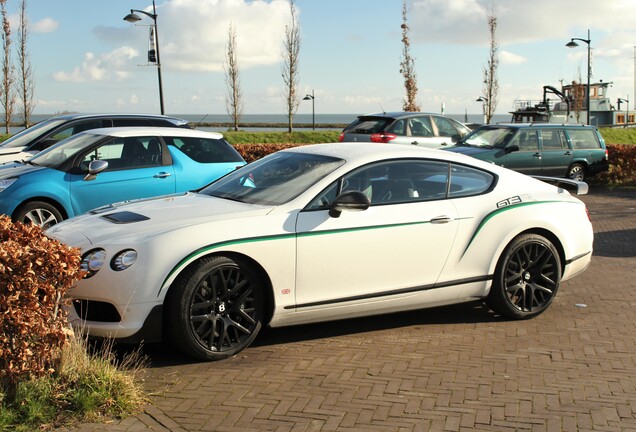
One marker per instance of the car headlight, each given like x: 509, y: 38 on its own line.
x: 6, y: 183
x: 93, y: 261
x: 123, y: 260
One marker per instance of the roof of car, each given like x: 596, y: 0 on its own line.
x: 153, y: 131
x: 539, y: 125
x: 395, y: 114
x: 365, y: 152
x: 75, y: 116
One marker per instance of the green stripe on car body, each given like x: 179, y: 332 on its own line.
x: 498, y: 211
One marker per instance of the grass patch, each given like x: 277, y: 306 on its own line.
x: 618, y: 135
x: 88, y: 387
x: 277, y: 137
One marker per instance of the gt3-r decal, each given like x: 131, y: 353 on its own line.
x: 510, y: 201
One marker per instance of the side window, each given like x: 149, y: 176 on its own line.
x: 584, y: 139
x: 446, y: 127
x: 467, y: 181
x: 131, y: 122
x: 421, y: 126
x: 553, y: 139
x: 527, y: 140
x: 90, y: 124
x: 391, y: 183
x: 126, y: 153
x: 398, y: 128
x: 205, y: 150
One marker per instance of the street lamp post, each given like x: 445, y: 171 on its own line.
x: 618, y: 102
x: 133, y: 18
x: 484, y: 101
x: 573, y: 44
x: 312, y: 98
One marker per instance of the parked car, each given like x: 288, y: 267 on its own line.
x: 423, y: 129
x: 561, y: 150
x: 324, y: 232
x: 44, y: 134
x: 102, y: 166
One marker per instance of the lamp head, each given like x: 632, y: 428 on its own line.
x: 571, y: 44
x: 132, y: 17
x: 308, y: 97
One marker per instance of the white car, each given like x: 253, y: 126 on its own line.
x: 320, y: 233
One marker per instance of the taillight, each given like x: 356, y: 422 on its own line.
x: 606, y: 155
x: 341, y: 137
x: 382, y: 137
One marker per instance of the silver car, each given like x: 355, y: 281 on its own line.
x: 416, y: 128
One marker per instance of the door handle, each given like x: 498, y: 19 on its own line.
x: 441, y: 220
x: 537, y: 155
x: 162, y: 174
x: 415, y: 143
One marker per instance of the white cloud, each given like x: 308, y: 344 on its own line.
x: 46, y: 25
x: 193, y: 33
x: 464, y: 21
x: 105, y: 67
x: 506, y: 57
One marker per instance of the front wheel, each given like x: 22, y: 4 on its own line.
x: 38, y: 213
x: 527, y: 278
x: 576, y: 172
x: 214, y: 309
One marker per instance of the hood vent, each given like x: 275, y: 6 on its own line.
x: 124, y: 217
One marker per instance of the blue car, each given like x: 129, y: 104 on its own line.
x: 103, y: 166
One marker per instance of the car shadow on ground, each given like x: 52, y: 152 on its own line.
x: 615, y: 244
x: 162, y: 354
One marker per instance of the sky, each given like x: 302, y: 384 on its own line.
x: 87, y: 59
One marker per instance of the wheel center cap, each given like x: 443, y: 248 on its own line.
x: 221, y: 308
x: 527, y: 276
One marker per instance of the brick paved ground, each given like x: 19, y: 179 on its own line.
x: 450, y: 369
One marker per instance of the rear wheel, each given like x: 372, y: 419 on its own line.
x: 576, y: 172
x: 214, y: 309
x: 527, y: 278
x: 38, y: 213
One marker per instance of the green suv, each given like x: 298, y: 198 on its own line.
x: 547, y: 149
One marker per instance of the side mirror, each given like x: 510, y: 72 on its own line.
x: 350, y: 201
x: 512, y: 148
x: 94, y: 168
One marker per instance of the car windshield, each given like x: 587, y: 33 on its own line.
x: 24, y: 138
x: 489, y: 137
x: 61, y: 152
x: 275, y: 179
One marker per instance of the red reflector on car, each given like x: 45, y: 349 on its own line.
x: 382, y: 137
x: 341, y: 137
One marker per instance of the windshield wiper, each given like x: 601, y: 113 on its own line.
x: 28, y: 162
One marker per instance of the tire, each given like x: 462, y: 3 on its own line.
x: 38, y: 213
x: 527, y: 278
x: 214, y: 309
x: 576, y: 172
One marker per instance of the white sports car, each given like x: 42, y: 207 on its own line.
x: 319, y: 233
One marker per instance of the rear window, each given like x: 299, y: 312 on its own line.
x: 205, y: 150
x: 584, y: 139
x: 368, y: 125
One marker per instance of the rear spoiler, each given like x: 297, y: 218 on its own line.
x: 572, y: 186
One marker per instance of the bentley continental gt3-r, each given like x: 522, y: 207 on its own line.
x: 324, y: 232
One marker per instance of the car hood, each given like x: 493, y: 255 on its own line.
x: 137, y: 219
x: 468, y: 150
x: 16, y: 170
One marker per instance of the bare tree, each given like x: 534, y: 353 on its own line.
x: 233, y: 100
x: 407, y: 66
x: 491, y: 83
x: 26, y: 83
x: 291, y: 51
x: 7, y: 68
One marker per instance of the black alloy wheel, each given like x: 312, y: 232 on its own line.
x: 215, y: 309
x: 527, y: 278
